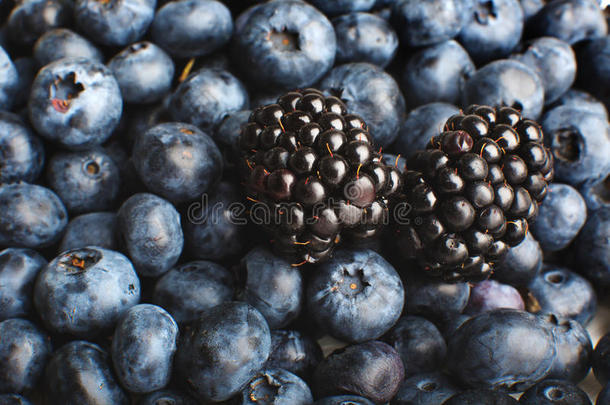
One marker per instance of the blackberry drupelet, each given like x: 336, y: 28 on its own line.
x: 472, y: 193
x: 313, y: 174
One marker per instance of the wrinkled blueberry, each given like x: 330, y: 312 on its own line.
x: 18, y: 270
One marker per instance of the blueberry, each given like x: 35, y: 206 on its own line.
x: 18, y: 270
x: 343, y: 400
x: 560, y: 218
x: 493, y: 30
x: 228, y: 131
x: 436, y: 73
x: 581, y: 100
x: 421, y: 125
x: 114, y: 22
x: 177, y: 161
x: 78, y: 373
x: 9, y: 80
x: 85, y: 181
x: 433, y: 298
x: 601, y: 360
x: 480, y: 397
x: 490, y: 294
x: 189, y: 290
x: 150, y: 232
x: 206, y: 96
x: 531, y: 7
x: 505, y: 349
x: 596, y: 193
x: 372, y: 369
x: 24, y: 351
x: 64, y: 43
x: 580, y: 144
x: 67, y: 98
x: 337, y: 7
x: 425, y: 389
x: 554, y: 392
x: 506, y: 82
x: 565, y: 294
x: 294, y: 351
x: 554, y: 61
x: 420, y: 345
x: 191, y: 28
x: 452, y: 323
x: 83, y: 292
x: 593, y: 247
x: 276, y: 386
x: 144, y: 72
x: 143, y: 348
x: 292, y: 36
x: 593, y: 70
x: 32, y: 216
x: 32, y: 18
x: 522, y: 263
x: 569, y: 20
x: 167, y: 397
x: 93, y: 229
x: 428, y: 22
x: 574, y: 350
x: 223, y: 350
x: 364, y: 37
x: 273, y: 286
x: 355, y: 296
x: 21, y: 152
x: 26, y: 71
x: 13, y: 399
x: 373, y: 94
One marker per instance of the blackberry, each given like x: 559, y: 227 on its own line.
x: 472, y: 193
x: 313, y: 174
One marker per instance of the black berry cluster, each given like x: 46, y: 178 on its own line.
x: 473, y: 192
x: 312, y: 170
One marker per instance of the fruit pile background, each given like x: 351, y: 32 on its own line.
x: 132, y: 268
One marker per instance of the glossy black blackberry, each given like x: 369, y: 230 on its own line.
x: 313, y: 175
x: 472, y: 193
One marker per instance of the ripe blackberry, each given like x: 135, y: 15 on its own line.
x: 313, y: 174
x: 472, y: 192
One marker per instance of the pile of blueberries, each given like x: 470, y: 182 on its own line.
x: 132, y: 273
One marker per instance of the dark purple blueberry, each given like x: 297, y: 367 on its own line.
x: 490, y: 294
x: 420, y: 345
x: 372, y: 369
